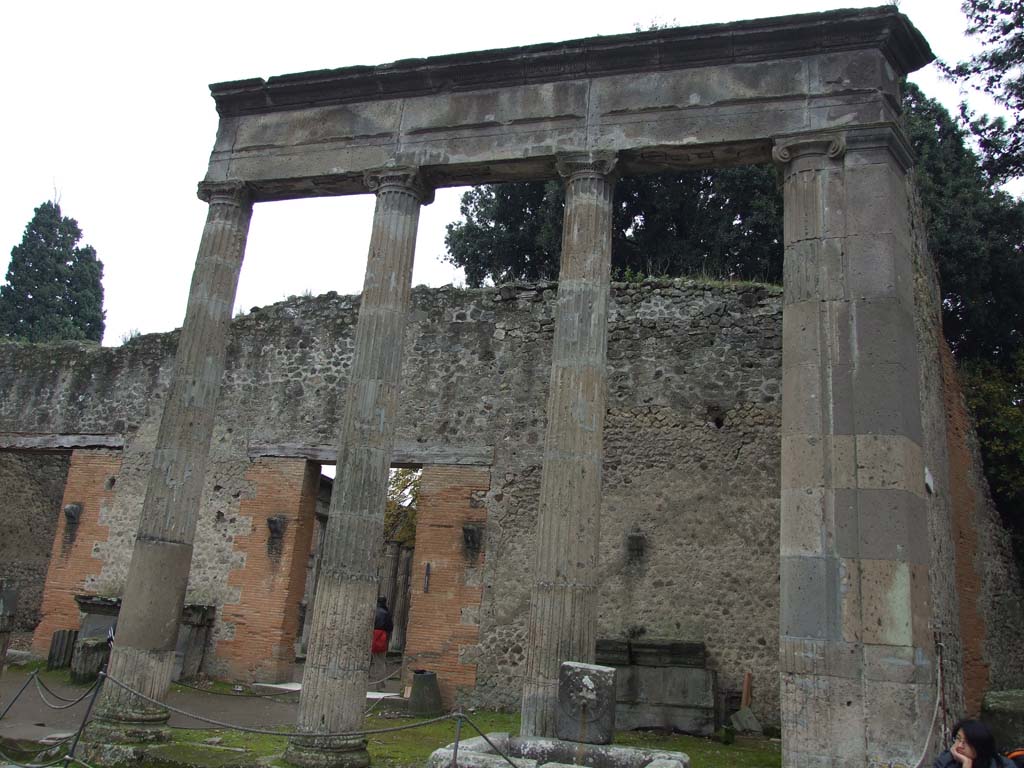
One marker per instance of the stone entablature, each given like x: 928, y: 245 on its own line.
x: 664, y: 99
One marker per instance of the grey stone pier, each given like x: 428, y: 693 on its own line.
x: 143, y: 654
x: 856, y: 653
x: 337, y: 661
x: 563, y: 601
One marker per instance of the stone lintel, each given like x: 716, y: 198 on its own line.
x: 409, y: 454
x: 25, y: 441
x: 882, y: 28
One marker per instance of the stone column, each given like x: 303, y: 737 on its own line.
x: 338, y: 659
x: 856, y: 653
x: 563, y: 601
x: 401, y: 610
x: 389, y: 574
x: 154, y: 594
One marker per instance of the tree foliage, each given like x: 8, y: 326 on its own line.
x: 997, y: 70
x: 975, y: 234
x: 718, y: 223
x: 400, y: 512
x: 54, y: 290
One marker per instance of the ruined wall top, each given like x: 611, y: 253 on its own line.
x: 662, y: 100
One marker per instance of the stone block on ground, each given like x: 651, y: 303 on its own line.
x: 586, y: 703
x: 744, y: 721
x: 1004, y: 713
x: 91, y: 655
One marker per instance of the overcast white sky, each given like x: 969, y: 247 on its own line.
x: 107, y: 105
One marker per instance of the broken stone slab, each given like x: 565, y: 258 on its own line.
x: 586, y: 703
x: 443, y: 758
x: 539, y: 751
x: 744, y: 721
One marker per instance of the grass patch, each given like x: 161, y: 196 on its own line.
x: 257, y: 744
x: 412, y: 747
x: 747, y: 752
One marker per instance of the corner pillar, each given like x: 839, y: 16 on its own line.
x: 563, y: 602
x: 856, y: 654
x: 147, y: 631
x: 337, y: 660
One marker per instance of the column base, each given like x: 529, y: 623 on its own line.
x: 327, y: 753
x: 121, y: 742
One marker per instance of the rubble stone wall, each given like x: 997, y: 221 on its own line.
x: 691, y: 471
x: 32, y: 486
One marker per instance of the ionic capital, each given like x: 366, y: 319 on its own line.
x: 236, y: 193
x: 400, y: 179
x: 575, y: 165
x: 826, y: 145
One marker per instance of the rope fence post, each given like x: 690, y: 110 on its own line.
x: 458, y: 733
x: 85, y: 719
x: 18, y: 694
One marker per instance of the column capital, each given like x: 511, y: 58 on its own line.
x: 400, y: 178
x: 887, y: 138
x: 790, y: 148
x: 233, y: 192
x: 573, y: 165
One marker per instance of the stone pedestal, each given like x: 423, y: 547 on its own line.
x: 586, y: 703
x: 337, y: 661
x: 143, y: 654
x: 563, y: 602
x: 857, y: 657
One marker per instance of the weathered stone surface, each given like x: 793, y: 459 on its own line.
x: 337, y: 662
x: 143, y: 654
x: 670, y: 98
x: 1004, y: 713
x: 32, y: 485
x: 586, y: 703
x: 563, y: 603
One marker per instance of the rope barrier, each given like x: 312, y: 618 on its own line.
x: 11, y: 761
x: 18, y: 694
x: 267, y: 731
x: 40, y: 681
x: 490, y: 743
x: 268, y: 696
x: 70, y: 703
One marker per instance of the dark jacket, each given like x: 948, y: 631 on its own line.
x: 382, y: 619
x: 946, y: 760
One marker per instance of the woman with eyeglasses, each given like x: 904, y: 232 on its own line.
x: 973, y: 747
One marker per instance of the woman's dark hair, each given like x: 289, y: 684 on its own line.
x: 978, y: 735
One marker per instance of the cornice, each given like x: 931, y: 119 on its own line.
x: 882, y: 28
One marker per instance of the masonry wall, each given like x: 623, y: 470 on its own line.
x: 33, y: 486
x: 691, y: 463
x: 74, y: 565
x: 444, y: 618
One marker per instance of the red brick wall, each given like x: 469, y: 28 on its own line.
x: 265, y: 620
x: 445, y: 620
x: 72, y: 561
x: 965, y: 538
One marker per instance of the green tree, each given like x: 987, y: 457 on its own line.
x: 400, y: 512
x: 718, y: 223
x: 54, y: 288
x: 975, y: 234
x: 997, y: 70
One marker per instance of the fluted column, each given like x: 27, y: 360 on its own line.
x: 337, y: 662
x: 856, y: 653
x: 401, y: 609
x: 147, y: 629
x: 389, y: 573
x: 563, y: 601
